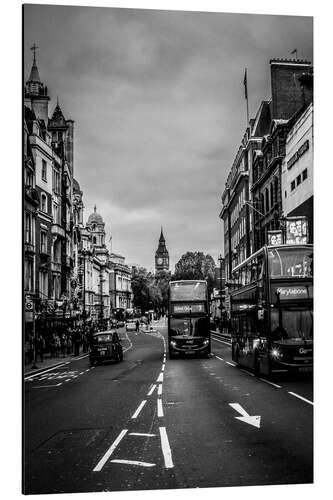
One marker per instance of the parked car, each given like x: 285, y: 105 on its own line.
x: 105, y: 346
x: 120, y: 324
x: 130, y: 326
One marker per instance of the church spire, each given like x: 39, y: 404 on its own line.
x: 162, y: 235
x: 34, y: 74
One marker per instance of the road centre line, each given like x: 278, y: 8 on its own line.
x: 221, y: 359
x: 159, y: 408
x: 166, y: 448
x: 159, y: 390
x: 231, y: 364
x: 133, y: 462
x: 151, y: 390
x: 271, y: 383
x: 160, y: 378
x: 300, y: 397
x: 141, y: 434
x: 163, y: 368
x: 139, y: 408
x: 109, y: 452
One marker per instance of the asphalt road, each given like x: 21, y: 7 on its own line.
x: 154, y: 423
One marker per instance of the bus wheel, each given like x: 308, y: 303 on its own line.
x: 256, y: 364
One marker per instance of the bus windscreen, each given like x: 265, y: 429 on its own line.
x: 288, y: 262
x: 191, y: 290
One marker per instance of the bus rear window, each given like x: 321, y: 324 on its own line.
x: 191, y: 290
x: 290, y: 262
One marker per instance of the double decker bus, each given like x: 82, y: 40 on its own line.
x: 272, y: 310
x: 188, y: 318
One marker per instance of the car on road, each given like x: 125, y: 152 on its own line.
x: 105, y: 346
x: 120, y: 323
x: 130, y: 326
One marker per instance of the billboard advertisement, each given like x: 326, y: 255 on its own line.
x: 296, y: 230
x: 274, y: 238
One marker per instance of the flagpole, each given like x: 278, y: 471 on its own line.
x: 246, y: 97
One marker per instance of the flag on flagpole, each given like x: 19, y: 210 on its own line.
x: 294, y: 51
x: 245, y: 83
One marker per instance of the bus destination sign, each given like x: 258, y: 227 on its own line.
x: 294, y: 292
x: 187, y: 308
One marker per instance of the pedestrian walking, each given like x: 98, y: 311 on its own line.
x: 137, y: 325
x: 69, y: 343
x: 40, y: 347
x: 63, y: 344
x: 57, y: 345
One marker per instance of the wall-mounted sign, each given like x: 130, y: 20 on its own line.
x: 274, y: 238
x: 296, y: 230
x: 300, y: 152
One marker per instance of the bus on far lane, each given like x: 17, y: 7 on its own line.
x: 188, y: 318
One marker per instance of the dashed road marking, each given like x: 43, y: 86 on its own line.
x: 160, y: 378
x: 42, y: 386
x: 166, y: 448
x: 231, y: 364
x: 301, y: 397
x: 270, y: 383
x: 159, y: 390
x: 139, y: 408
x: 159, y: 408
x: 109, y: 452
x: 133, y: 462
x: 221, y: 359
x: 141, y: 434
x: 245, y: 371
x: 222, y: 341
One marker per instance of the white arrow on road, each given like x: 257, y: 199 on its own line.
x: 252, y: 420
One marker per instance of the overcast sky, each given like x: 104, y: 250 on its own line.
x: 158, y: 103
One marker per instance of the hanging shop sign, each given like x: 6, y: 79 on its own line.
x: 274, y: 238
x: 297, y: 230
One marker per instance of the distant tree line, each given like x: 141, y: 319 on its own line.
x: 151, y: 291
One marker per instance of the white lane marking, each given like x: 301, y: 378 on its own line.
x: 222, y: 341
x: 160, y: 378
x: 166, y: 448
x: 159, y: 390
x: 139, y: 408
x: 133, y: 462
x: 81, y: 373
x: 109, y: 452
x: 270, y: 383
x: 67, y: 380
x: 44, y: 371
x: 162, y: 368
x: 42, y: 386
x: 81, y: 357
x: 221, y: 359
x: 159, y: 408
x: 245, y: 371
x: 231, y: 364
x: 301, y: 397
x: 151, y: 390
x: 141, y: 434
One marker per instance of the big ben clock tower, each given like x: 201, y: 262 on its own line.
x: 161, y: 256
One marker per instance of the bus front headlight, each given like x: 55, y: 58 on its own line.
x: 275, y: 353
x: 173, y: 343
x: 206, y: 342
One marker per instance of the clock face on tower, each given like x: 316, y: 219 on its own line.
x: 159, y: 260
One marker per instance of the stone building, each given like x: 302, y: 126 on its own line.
x: 121, y: 296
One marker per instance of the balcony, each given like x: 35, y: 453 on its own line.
x: 56, y: 267
x: 57, y: 230
x: 31, y: 194
x: 29, y: 248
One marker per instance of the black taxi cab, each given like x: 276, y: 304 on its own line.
x: 105, y: 346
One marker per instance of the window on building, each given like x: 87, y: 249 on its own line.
x: 292, y: 185
x: 28, y: 281
x: 299, y: 179
x: 272, y: 194
x: 29, y: 177
x: 43, y: 242
x: 285, y: 194
x: 28, y: 228
x: 43, y: 202
x: 56, y: 181
x: 43, y: 284
x: 44, y: 176
x: 305, y: 174
x: 267, y: 199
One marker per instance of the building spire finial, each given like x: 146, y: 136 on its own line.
x: 95, y: 209
x: 34, y: 48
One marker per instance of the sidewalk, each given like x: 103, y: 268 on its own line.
x: 50, y: 362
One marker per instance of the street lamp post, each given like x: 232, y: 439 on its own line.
x: 220, y: 259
